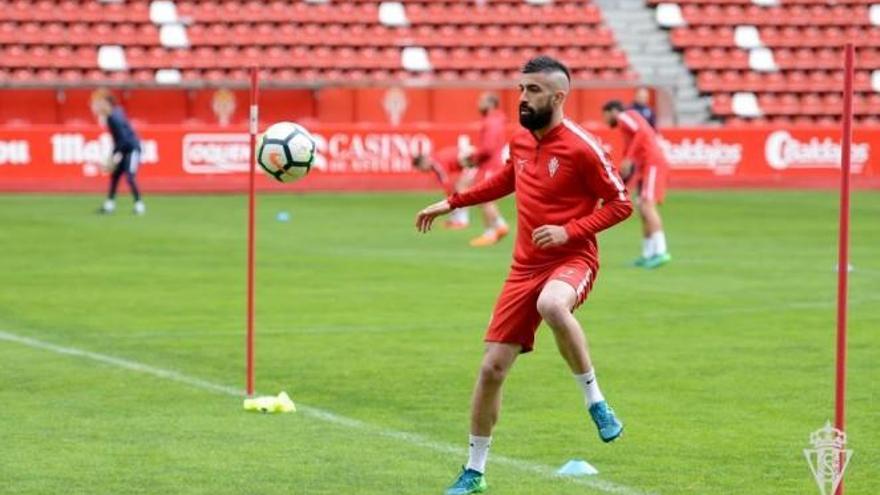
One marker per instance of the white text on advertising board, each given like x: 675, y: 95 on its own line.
x: 784, y: 151
x: 14, y: 152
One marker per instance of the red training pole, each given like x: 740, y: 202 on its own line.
x: 843, y: 244
x: 252, y: 206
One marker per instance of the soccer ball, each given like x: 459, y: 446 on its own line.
x: 286, y: 151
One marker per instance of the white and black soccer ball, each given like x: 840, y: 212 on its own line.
x: 286, y: 151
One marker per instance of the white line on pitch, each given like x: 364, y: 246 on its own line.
x: 323, y: 415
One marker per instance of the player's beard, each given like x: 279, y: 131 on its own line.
x: 534, y: 119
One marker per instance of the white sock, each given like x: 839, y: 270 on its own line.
x: 460, y: 215
x: 478, y: 452
x: 659, y: 240
x: 109, y: 205
x: 647, y: 247
x: 499, y: 222
x: 590, y: 386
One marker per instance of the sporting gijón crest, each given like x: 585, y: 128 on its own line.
x: 553, y: 166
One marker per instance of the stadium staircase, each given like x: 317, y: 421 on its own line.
x: 649, y: 50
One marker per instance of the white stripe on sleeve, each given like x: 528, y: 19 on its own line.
x: 597, y: 150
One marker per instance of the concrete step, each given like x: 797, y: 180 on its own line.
x: 648, y: 38
x: 692, y: 106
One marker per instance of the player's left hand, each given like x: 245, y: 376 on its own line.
x: 426, y: 217
x: 547, y: 236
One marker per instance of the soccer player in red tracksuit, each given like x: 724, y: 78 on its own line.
x: 488, y: 162
x: 446, y: 165
x: 645, y: 165
x: 566, y: 192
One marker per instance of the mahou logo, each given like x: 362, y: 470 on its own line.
x: 784, y: 151
x: 75, y: 149
x: 716, y: 155
x: 215, y: 153
x: 14, y: 152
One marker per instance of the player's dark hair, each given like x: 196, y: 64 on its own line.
x: 109, y: 98
x: 493, y: 100
x: 543, y: 63
x: 613, y: 105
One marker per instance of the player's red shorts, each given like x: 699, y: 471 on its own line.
x: 515, y: 318
x: 652, y: 184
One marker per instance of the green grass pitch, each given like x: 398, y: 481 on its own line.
x: 721, y: 364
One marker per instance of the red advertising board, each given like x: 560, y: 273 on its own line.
x: 377, y: 157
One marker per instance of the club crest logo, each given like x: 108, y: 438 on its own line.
x: 223, y: 105
x: 553, y: 166
x: 828, y: 458
x: 394, y: 103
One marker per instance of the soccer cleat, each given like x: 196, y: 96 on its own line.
x: 658, y: 260
x: 486, y: 239
x: 107, y: 207
x: 640, y: 261
x: 455, y: 225
x: 609, y: 427
x: 501, y: 231
x: 469, y: 481
x: 139, y: 208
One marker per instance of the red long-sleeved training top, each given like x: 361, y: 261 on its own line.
x: 559, y: 180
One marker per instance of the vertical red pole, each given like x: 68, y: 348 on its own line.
x: 843, y: 244
x: 252, y: 128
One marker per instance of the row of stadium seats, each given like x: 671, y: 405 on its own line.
x: 74, y: 11
x: 146, y: 34
x: 766, y: 2
x: 818, y: 81
x: 368, y: 13
x: 782, y: 59
x: 320, y: 57
x: 807, y: 104
x: 775, y: 37
x: 794, y: 15
x: 285, y: 75
x: 800, y: 120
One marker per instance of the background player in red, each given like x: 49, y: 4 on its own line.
x: 487, y: 158
x: 445, y: 164
x: 566, y: 192
x: 644, y: 164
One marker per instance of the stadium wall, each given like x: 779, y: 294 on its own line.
x: 377, y: 157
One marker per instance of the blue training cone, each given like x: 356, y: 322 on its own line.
x: 577, y: 467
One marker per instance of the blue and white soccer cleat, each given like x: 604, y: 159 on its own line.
x: 468, y: 482
x: 657, y: 260
x: 609, y: 426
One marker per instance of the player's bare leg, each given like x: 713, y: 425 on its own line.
x: 654, y: 251
x: 486, y: 402
x: 460, y: 217
x: 555, y: 305
x: 485, y: 408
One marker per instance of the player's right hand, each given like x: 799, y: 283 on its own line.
x: 426, y: 217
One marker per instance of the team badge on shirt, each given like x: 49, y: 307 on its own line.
x: 553, y: 166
